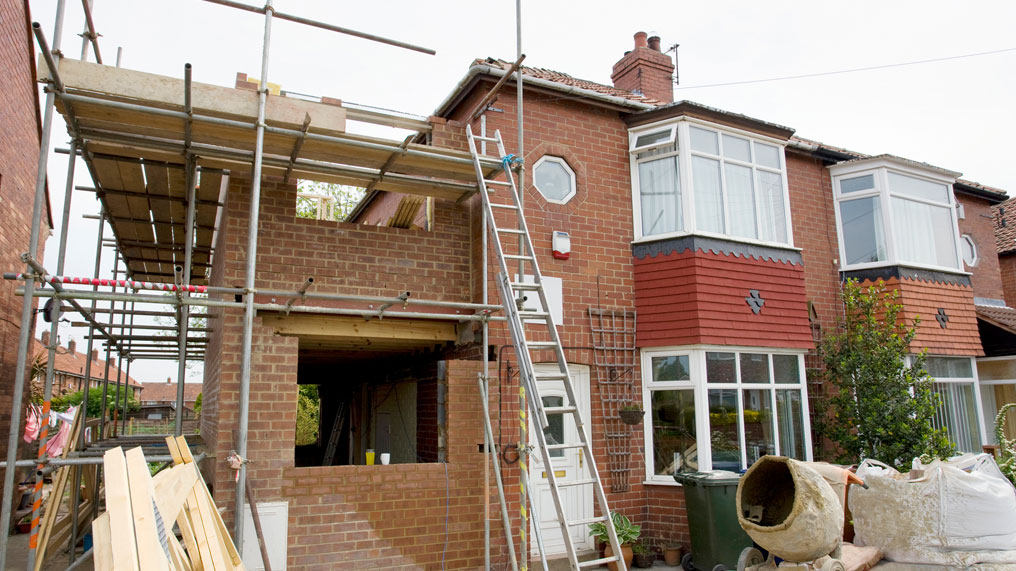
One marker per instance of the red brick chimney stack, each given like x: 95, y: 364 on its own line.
x: 45, y: 338
x: 646, y: 70
x: 71, y: 346
x: 95, y: 355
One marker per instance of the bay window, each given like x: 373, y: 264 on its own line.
x: 894, y: 214
x: 722, y: 409
x: 693, y: 178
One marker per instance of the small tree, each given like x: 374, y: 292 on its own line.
x: 882, y: 408
x: 62, y: 403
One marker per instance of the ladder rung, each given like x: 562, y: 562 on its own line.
x: 524, y: 313
x: 517, y: 257
x: 525, y: 285
x: 564, y: 446
x: 541, y: 344
x: 509, y: 231
x: 576, y: 483
x: 488, y: 139
x: 550, y: 376
x: 509, y: 206
x: 586, y: 521
x: 599, y: 562
x: 559, y: 409
x: 500, y: 182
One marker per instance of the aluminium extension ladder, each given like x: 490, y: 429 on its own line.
x: 525, y: 325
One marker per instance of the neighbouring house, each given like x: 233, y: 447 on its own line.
x: 20, y: 129
x: 69, y: 369
x: 996, y: 318
x: 690, y: 254
x: 158, y: 400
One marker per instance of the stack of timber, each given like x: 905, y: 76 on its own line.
x: 54, y: 528
x: 406, y: 212
x: 137, y: 529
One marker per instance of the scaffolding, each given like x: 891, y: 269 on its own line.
x: 160, y: 159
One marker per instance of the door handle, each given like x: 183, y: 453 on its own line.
x: 580, y: 457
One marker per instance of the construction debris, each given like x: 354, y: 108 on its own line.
x: 144, y: 510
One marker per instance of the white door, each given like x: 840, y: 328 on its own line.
x: 568, y: 465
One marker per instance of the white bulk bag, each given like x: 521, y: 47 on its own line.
x: 959, y: 512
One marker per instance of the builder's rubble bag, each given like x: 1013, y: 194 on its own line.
x: 960, y: 512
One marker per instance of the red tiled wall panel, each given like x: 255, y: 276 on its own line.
x: 923, y: 299
x: 697, y: 297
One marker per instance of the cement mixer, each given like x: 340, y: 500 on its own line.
x: 795, y: 513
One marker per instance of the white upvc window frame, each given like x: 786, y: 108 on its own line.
x: 681, y: 137
x: 571, y: 175
x: 880, y: 170
x: 989, y: 384
x: 699, y: 384
x: 973, y: 381
x: 973, y: 247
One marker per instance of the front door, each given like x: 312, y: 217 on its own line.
x: 568, y: 465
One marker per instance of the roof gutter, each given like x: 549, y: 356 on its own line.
x: 497, y: 72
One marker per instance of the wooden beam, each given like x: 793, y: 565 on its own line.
x: 341, y: 327
x: 226, y: 102
x: 118, y: 506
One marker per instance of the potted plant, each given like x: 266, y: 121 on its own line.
x: 644, y: 556
x: 672, y: 553
x: 630, y: 412
x: 626, y: 531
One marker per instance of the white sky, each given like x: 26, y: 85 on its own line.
x: 954, y: 114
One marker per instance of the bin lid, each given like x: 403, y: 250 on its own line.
x: 708, y: 478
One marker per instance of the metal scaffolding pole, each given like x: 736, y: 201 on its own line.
x: 184, y: 319
x: 126, y: 381
x: 252, y: 250
x: 26, y: 307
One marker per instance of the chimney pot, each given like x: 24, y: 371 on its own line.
x: 640, y: 40
x: 71, y: 346
x: 169, y: 380
x: 654, y: 43
x: 45, y: 337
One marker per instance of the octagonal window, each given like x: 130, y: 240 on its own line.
x: 554, y: 179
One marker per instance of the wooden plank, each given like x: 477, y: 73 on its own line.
x: 356, y: 327
x: 205, y: 497
x: 102, y: 542
x: 212, y: 558
x: 142, y: 492
x: 189, y: 541
x: 56, y: 494
x: 179, y: 558
x: 172, y: 487
x: 118, y: 506
x: 178, y: 210
x: 206, y: 99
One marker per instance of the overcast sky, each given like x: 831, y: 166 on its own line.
x: 954, y: 114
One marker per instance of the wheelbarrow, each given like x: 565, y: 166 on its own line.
x: 794, y: 512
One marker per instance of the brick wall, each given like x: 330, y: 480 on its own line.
x: 979, y: 224
x: 696, y: 297
x: 19, y: 144
x: 1007, y: 272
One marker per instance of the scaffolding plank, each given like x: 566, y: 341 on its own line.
x: 102, y: 542
x: 142, y: 492
x: 208, y: 99
x: 118, y: 506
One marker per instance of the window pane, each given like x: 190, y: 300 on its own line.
x: 708, y: 199
x: 863, y: 236
x: 788, y: 410
x: 949, y: 368
x: 723, y: 437
x: 758, y: 424
x: 553, y: 180
x: 652, y: 138
x: 997, y: 371
x: 767, y: 155
x: 674, y: 444
x: 754, y: 368
x: 736, y: 148
x: 772, y: 214
x: 858, y: 183
x: 924, y: 233
x: 741, y: 200
x: 958, y: 415
x: 918, y: 188
x: 705, y: 141
x: 785, y: 369
x: 672, y: 368
x: 555, y: 432
x: 660, y: 194
x: 720, y: 368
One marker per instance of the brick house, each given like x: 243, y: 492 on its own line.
x: 738, y: 237
x: 69, y: 369
x: 20, y: 128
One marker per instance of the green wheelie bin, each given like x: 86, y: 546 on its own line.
x: 716, y: 538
